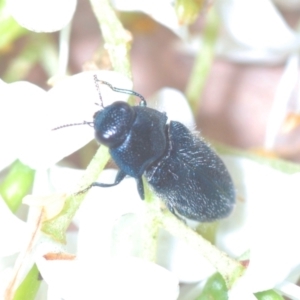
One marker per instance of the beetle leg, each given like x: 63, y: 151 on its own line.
x: 140, y: 187
x: 120, y: 176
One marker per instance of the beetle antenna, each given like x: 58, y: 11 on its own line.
x: 74, y: 124
x: 124, y: 91
x: 98, y: 90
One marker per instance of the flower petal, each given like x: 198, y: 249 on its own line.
x: 12, y: 231
x: 182, y: 260
x: 70, y: 101
x: 42, y: 15
x: 233, y: 232
x: 272, y: 222
x: 17, y: 120
x: 174, y: 103
x: 115, y: 279
x: 161, y: 11
x: 274, y: 242
x: 241, y: 290
x: 98, y: 218
x: 255, y: 31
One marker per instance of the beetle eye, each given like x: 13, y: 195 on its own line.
x: 113, y: 123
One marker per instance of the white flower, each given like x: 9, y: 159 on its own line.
x: 251, y: 31
x: 28, y: 115
x: 12, y: 234
x: 174, y: 103
x: 254, y: 31
x: 265, y: 222
x: 130, y: 278
x: 182, y: 260
x: 12, y: 231
x: 42, y: 15
x: 107, y: 240
x: 20, y: 241
x: 17, y: 103
x: 161, y: 11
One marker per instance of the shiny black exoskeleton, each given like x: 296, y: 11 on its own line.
x: 179, y: 166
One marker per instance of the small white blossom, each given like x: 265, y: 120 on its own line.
x: 251, y: 31
x: 265, y: 223
x: 130, y: 278
x: 161, y: 11
x: 20, y: 242
x: 12, y: 231
x: 175, y: 105
x: 254, y: 31
x: 42, y: 15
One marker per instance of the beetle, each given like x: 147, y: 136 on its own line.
x: 179, y: 166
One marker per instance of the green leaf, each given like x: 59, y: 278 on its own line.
x: 16, y: 185
x: 214, y: 289
x: 268, y: 295
x: 30, y: 285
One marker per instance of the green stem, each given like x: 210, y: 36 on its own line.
x: 229, y: 268
x: 57, y: 227
x: 151, y: 225
x: 117, y: 39
x: 204, y: 61
x: 117, y: 44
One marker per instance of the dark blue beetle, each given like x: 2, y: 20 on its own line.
x: 178, y: 165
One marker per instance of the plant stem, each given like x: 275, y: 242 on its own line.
x: 229, y: 268
x: 117, y: 39
x: 203, y: 62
